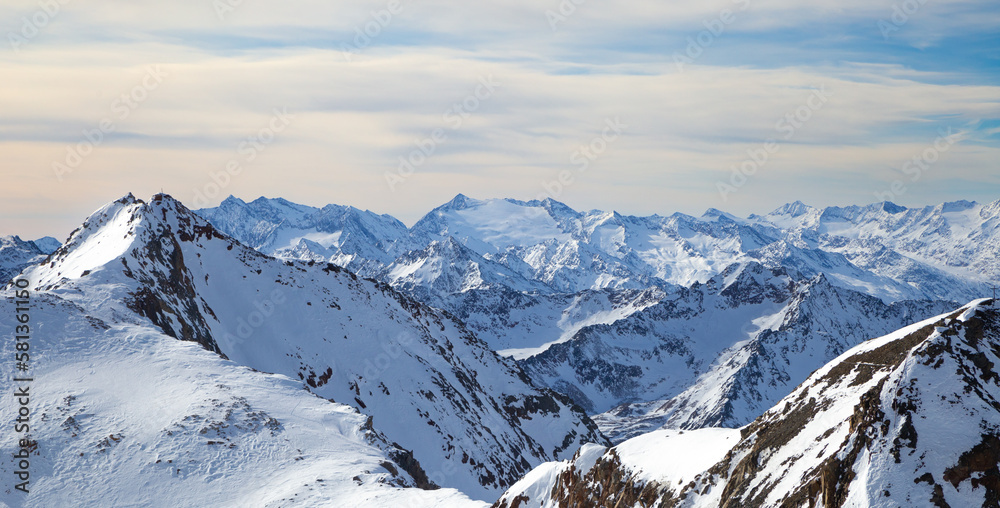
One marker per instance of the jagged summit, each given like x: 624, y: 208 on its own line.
x: 122, y: 227
x: 423, y: 377
x: 459, y: 202
x: 907, y: 419
x: 888, y: 251
x: 715, y: 214
x: 794, y: 209
x: 892, y: 208
x: 714, y: 354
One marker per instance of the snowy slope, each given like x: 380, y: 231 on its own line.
x: 123, y: 415
x: 908, y: 419
x: 472, y: 419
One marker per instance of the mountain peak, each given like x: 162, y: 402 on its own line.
x: 716, y: 214
x: 890, y: 207
x: 554, y: 206
x: 957, y: 206
x: 459, y: 202
x: 117, y: 228
x: 793, y: 209
x: 232, y: 201
x: 161, y: 198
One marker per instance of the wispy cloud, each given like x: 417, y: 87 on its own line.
x: 356, y: 115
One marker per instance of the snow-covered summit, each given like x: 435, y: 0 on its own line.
x: 888, y: 251
x: 124, y: 415
x: 425, y: 379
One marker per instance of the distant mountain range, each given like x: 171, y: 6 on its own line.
x: 943, y: 252
x: 17, y: 254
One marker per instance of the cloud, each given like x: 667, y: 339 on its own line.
x: 357, y: 112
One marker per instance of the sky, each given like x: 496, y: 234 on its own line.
x: 396, y: 106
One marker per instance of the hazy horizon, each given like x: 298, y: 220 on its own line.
x: 410, y: 221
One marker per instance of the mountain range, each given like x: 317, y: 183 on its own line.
x: 17, y: 254
x: 677, y: 320
x: 470, y: 418
x: 908, y: 419
x: 943, y: 252
x: 507, y: 347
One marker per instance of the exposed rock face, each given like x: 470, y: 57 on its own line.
x: 909, y: 419
x: 470, y: 418
x: 627, y: 315
x: 128, y: 416
x: 715, y: 354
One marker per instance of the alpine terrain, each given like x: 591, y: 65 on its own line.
x: 649, y: 321
x: 908, y: 419
x: 469, y: 418
x: 522, y: 353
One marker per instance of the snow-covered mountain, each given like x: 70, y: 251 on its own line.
x: 908, y: 419
x: 47, y: 244
x: 472, y: 419
x: 446, y: 267
x: 650, y: 312
x: 543, y: 248
x: 940, y: 252
x: 715, y: 354
x: 122, y: 414
x: 17, y: 254
x: 370, y: 391
x: 361, y: 241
